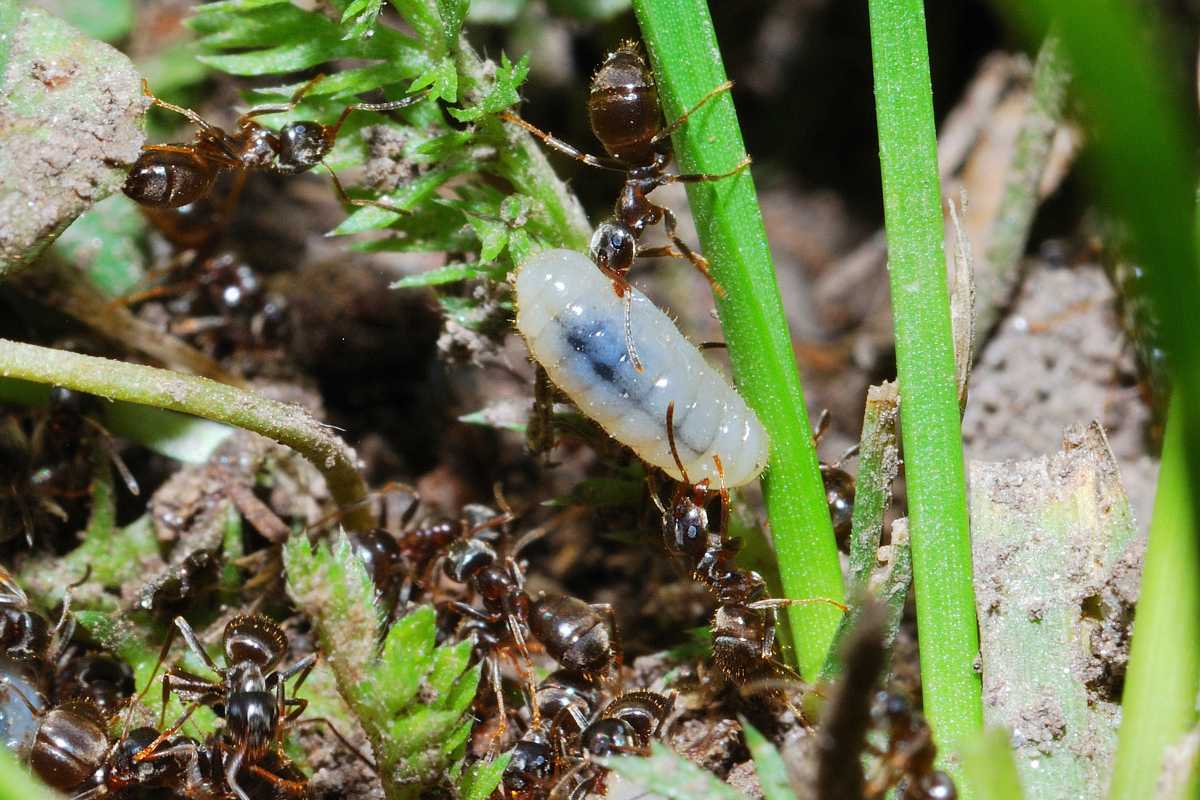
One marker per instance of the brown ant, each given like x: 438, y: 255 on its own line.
x: 624, y: 112
x: 908, y: 758
x: 250, y: 692
x: 175, y: 175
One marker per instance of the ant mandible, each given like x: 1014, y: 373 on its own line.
x: 624, y: 113
x: 174, y: 175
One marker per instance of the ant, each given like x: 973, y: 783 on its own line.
x: 175, y: 175
x: 535, y: 760
x: 624, y: 726
x: 743, y: 624
x: 624, y: 112
x: 250, y: 690
x: 909, y: 756
x: 580, y: 636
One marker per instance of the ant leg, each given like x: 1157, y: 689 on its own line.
x: 501, y: 712
x: 345, y: 198
x: 281, y: 108
x: 781, y: 602
x: 702, y: 177
x: 286, y: 786
x: 682, y: 118
x: 682, y: 250
x: 232, y: 767
x: 169, y: 148
x: 193, y: 643
x: 724, y: 495
x: 303, y: 667
x: 822, y: 426
x: 187, y: 112
x: 600, y: 162
x: 341, y: 738
x: 147, y: 752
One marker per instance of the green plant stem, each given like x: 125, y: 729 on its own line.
x: 1161, y: 681
x: 929, y: 411
x: 684, y: 52
x: 287, y: 424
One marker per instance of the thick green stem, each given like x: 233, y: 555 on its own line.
x: 287, y: 424
x: 929, y: 411
x: 687, y: 62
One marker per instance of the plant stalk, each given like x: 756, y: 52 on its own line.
x: 134, y: 383
x: 929, y: 410
x: 687, y: 64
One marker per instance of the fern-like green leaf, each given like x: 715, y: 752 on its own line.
x: 482, y: 778
x: 412, y: 698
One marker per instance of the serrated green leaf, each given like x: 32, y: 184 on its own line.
x: 480, y: 779
x: 422, y: 727
x: 460, y: 696
x: 407, y: 658
x: 362, y: 14
x: 503, y: 94
x: 772, y: 772
x: 453, y: 14
x: 451, y: 273
x: 672, y: 776
x: 449, y: 664
x: 493, y: 235
x: 443, y: 77
x: 369, y: 218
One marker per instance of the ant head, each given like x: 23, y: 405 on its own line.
x: 256, y: 639
x: 623, y: 106
x: 685, y: 529
x: 302, y: 145
x: 166, y: 179
x: 468, y: 557
x: 613, y: 247
x: 607, y: 736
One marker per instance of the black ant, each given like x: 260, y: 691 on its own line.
x: 175, y: 175
x: 624, y: 726
x: 908, y: 758
x: 250, y: 692
x: 743, y: 625
x: 536, y: 757
x: 625, y: 117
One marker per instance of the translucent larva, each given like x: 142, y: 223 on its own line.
x: 574, y: 325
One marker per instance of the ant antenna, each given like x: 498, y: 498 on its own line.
x: 724, y: 495
x: 671, y: 441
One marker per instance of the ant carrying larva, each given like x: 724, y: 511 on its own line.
x: 624, y: 112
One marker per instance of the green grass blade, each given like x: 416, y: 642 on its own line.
x: 988, y: 763
x: 929, y: 410
x: 687, y: 64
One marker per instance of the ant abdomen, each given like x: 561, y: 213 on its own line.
x: 623, y: 106
x: 71, y: 744
x: 574, y: 633
x: 167, y: 179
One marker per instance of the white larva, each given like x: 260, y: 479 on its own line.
x: 574, y: 325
